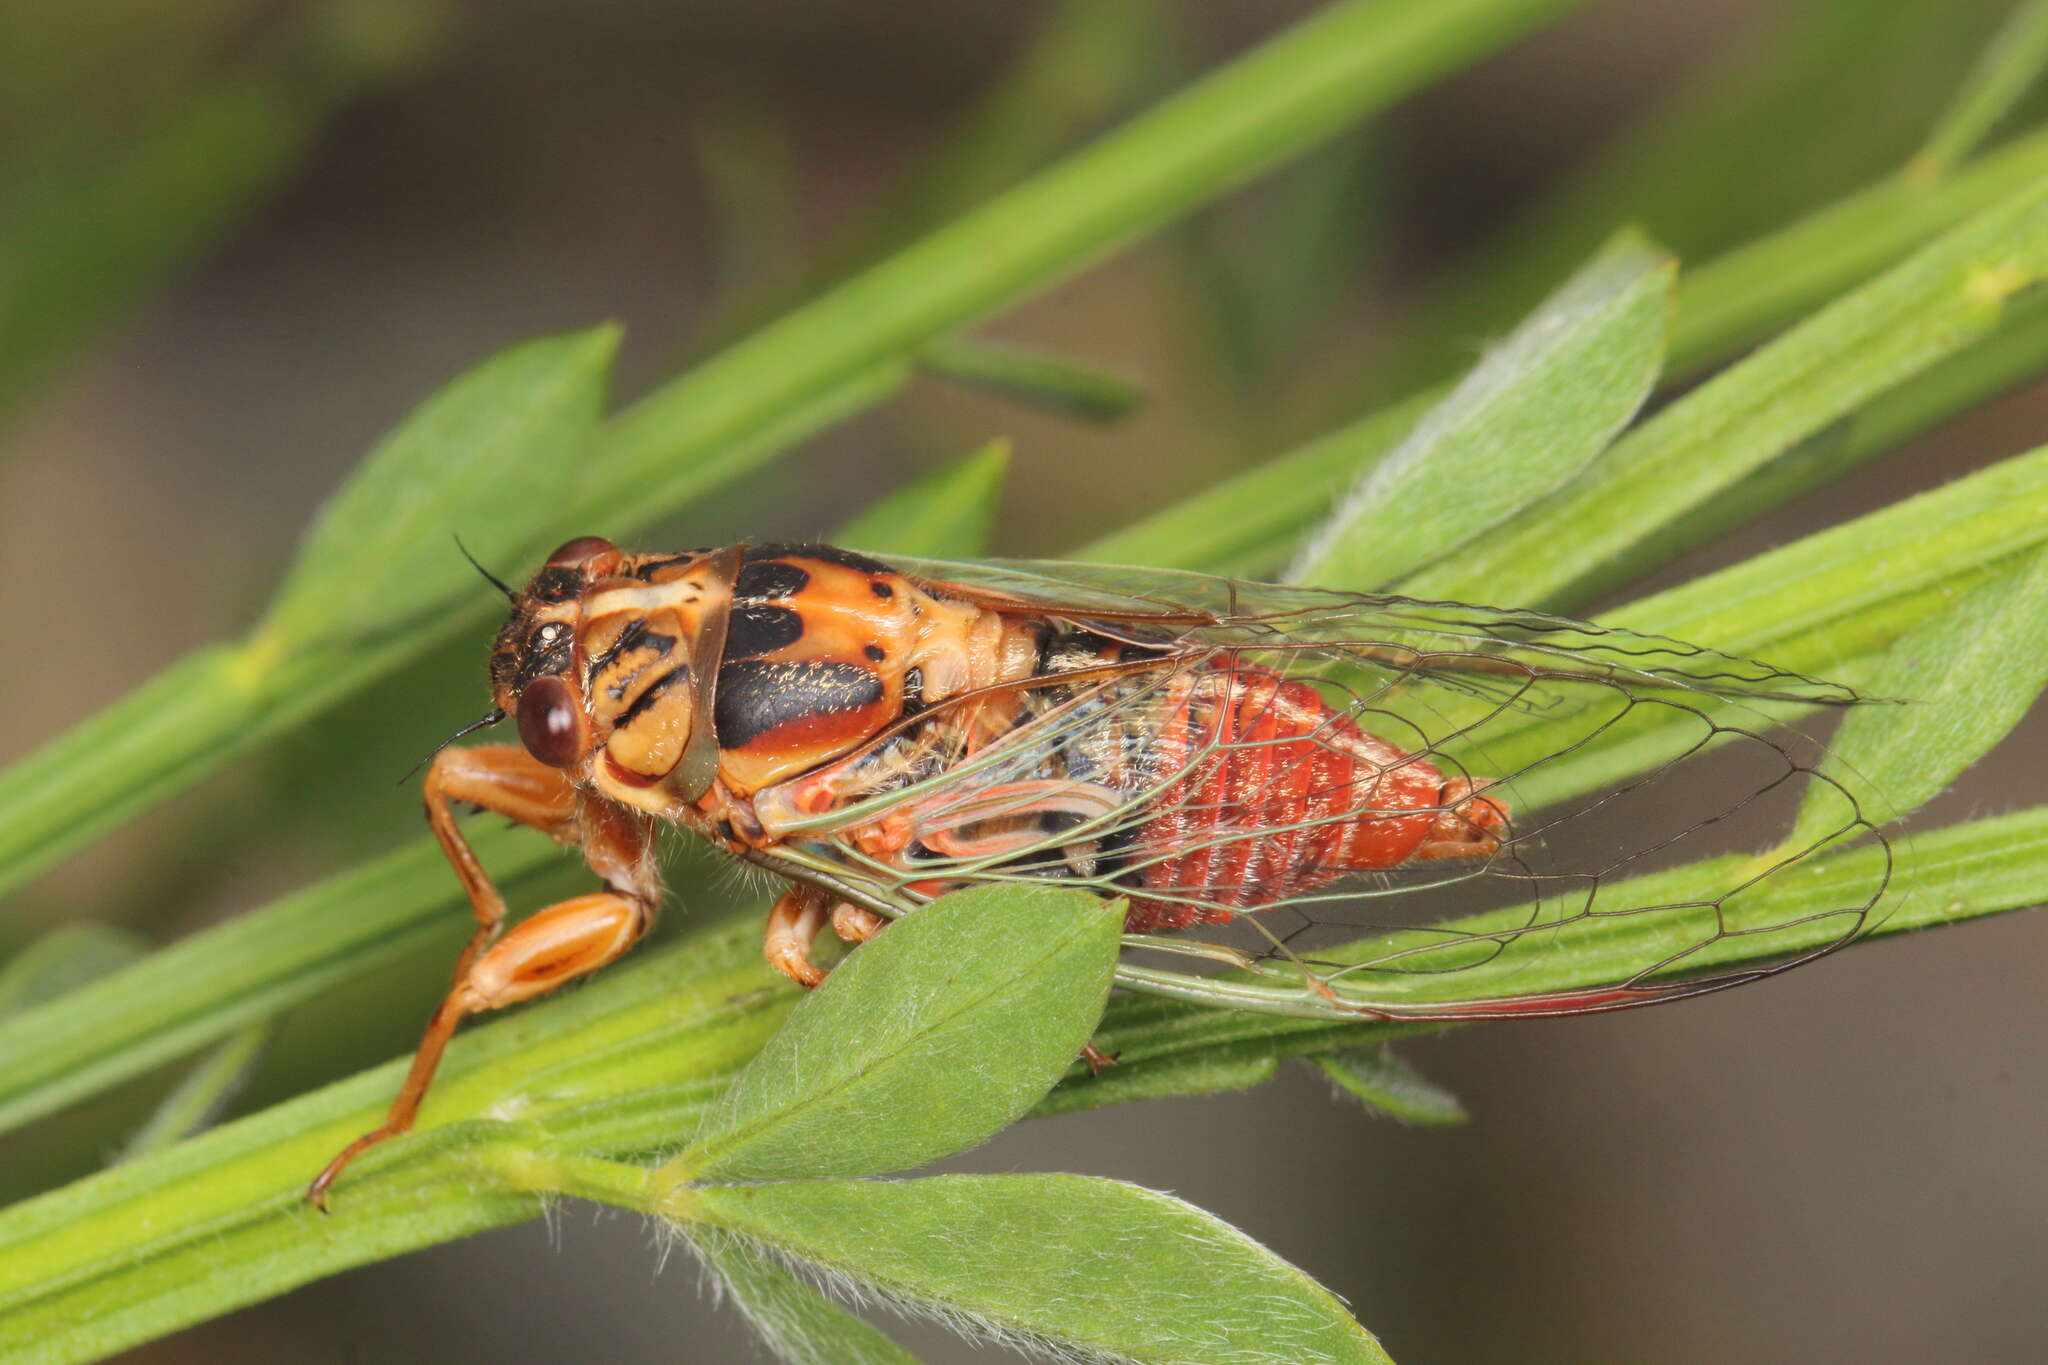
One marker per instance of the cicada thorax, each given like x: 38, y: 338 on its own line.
x: 822, y: 650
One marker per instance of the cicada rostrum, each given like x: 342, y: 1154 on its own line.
x: 1311, y: 802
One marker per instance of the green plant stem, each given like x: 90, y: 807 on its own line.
x: 1246, y: 523
x: 844, y: 352
x: 2009, y: 65
x: 1263, y: 109
x: 618, y: 1070
x: 1812, y: 605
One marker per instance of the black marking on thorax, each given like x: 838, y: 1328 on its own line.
x: 755, y: 697
x: 761, y: 580
x: 757, y: 630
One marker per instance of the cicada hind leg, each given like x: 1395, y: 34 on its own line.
x: 554, y: 946
x: 793, y: 925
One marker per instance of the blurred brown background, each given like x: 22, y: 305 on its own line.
x: 1844, y: 1164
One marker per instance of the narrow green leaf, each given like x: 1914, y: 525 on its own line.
x: 1323, y: 74
x: 1811, y: 605
x: 204, y: 1092
x: 205, y: 987
x: 1263, y: 278
x: 1382, y: 1080
x: 939, y: 1032
x: 2007, y: 68
x: 63, y: 960
x: 1754, y: 289
x: 1037, y: 378
x: 1963, y: 679
x: 1250, y: 523
x: 475, y: 459
x: 2010, y: 356
x: 801, y: 1325
x: 1208, y: 1073
x: 1962, y: 872
x: 1524, y: 422
x: 219, y: 1220
x: 1732, y: 151
x: 216, y: 1222
x: 1095, y: 1267
x: 840, y: 354
x: 746, y: 156
x: 947, y: 514
x: 1087, y: 60
x: 1949, y: 294
x: 1817, y: 600
x: 86, y: 231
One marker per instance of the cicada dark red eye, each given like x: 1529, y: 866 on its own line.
x: 594, y: 555
x: 551, y: 724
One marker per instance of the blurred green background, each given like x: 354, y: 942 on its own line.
x: 239, y: 240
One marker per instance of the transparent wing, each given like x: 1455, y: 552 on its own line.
x: 1453, y: 636
x: 1349, y: 805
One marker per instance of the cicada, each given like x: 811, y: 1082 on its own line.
x: 1310, y: 802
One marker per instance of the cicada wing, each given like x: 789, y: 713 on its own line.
x: 1449, y: 637
x: 1634, y: 778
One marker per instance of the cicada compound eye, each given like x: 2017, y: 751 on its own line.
x: 594, y: 555
x: 551, y: 723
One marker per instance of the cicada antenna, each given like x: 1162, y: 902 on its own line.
x: 490, y: 578
x: 489, y: 718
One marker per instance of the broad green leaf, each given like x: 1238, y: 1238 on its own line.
x: 1527, y: 419
x: 1932, y: 306
x: 937, y: 1033
x: 946, y: 514
x: 1382, y: 1080
x: 63, y: 960
x: 1094, y: 1267
x: 476, y: 459
x: 1959, y: 682
x: 1051, y: 382
x: 800, y: 1324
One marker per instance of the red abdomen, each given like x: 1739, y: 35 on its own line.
x: 1276, y: 794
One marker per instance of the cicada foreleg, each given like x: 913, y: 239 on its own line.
x: 554, y: 946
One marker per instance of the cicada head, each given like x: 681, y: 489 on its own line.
x: 534, y: 673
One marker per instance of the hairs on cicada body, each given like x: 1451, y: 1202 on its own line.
x: 1311, y: 802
